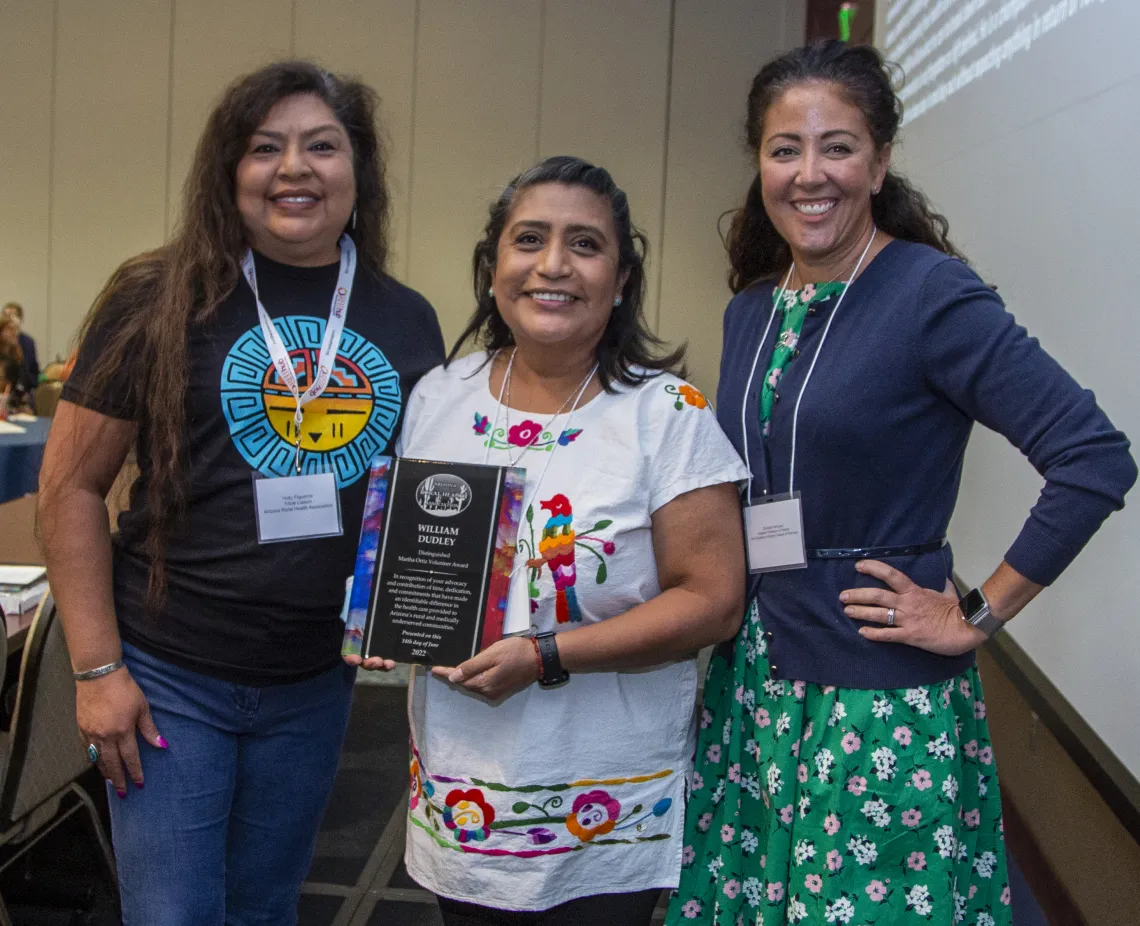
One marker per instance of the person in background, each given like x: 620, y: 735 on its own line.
x: 206, y: 644
x: 13, y: 377
x: 31, y: 373
x: 27, y: 373
x: 844, y: 772
x: 548, y: 772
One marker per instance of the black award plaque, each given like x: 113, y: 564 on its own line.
x: 434, y: 562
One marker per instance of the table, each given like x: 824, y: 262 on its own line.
x: 20, y: 458
x: 18, y: 544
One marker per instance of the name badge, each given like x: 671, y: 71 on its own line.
x: 774, y: 534
x: 297, y: 507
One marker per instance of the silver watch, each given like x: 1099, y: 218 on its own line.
x: 976, y: 612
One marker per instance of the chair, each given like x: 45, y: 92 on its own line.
x: 47, y: 398
x: 41, y: 754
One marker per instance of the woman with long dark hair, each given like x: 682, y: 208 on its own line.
x: 844, y: 772
x: 14, y: 385
x: 548, y: 771
x: 262, y: 353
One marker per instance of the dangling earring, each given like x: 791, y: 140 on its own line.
x: 617, y: 302
x: 354, y: 218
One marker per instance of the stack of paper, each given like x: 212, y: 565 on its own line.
x: 21, y: 587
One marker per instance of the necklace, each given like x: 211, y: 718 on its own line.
x: 792, y: 269
x: 574, y: 396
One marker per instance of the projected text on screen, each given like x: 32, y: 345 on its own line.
x: 945, y: 45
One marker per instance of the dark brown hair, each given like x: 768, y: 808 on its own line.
x: 149, y: 304
x: 627, y: 343
x: 755, y: 248
x: 10, y: 353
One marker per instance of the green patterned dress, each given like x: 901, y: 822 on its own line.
x: 812, y: 804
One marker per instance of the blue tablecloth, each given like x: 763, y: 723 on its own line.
x: 20, y: 458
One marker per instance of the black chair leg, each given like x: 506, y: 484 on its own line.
x: 101, y: 838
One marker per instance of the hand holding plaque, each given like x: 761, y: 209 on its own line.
x: 434, y: 562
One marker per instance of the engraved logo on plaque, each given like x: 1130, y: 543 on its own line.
x: 443, y: 495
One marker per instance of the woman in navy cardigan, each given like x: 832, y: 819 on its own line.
x: 844, y: 772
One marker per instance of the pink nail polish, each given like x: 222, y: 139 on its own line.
x: 122, y: 794
x: 139, y: 784
x: 162, y: 743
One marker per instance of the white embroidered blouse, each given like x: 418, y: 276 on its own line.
x: 553, y: 794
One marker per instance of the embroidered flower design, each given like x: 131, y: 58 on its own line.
x: 468, y: 814
x: 524, y: 434
x: 593, y: 813
x: 566, y: 437
x: 692, y: 396
x: 482, y: 423
x: 686, y: 395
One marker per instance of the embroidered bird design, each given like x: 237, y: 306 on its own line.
x: 557, y: 551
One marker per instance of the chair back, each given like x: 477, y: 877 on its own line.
x: 47, y: 398
x: 45, y: 755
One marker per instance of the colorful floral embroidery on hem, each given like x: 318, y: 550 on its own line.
x: 535, y: 822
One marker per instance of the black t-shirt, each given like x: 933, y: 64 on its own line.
x: 238, y: 610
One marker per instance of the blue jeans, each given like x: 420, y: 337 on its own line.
x: 223, y: 831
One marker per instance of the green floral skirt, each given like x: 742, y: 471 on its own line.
x: 819, y: 805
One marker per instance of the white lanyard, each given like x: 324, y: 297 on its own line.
x: 329, y: 344
x: 550, y: 456
x: 807, y: 377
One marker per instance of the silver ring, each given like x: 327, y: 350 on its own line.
x: 890, y: 617
x: 92, y: 753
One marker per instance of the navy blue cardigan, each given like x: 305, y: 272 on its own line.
x: 919, y: 350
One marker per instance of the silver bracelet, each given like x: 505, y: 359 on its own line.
x: 98, y: 672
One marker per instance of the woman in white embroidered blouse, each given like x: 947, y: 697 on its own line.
x: 564, y: 804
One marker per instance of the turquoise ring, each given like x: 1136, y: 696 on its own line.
x: 92, y: 753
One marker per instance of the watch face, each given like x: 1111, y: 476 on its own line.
x: 972, y: 604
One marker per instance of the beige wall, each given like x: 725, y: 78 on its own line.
x: 101, y: 102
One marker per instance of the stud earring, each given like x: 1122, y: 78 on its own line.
x: 491, y: 291
x: 617, y: 302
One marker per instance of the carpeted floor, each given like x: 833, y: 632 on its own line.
x: 357, y: 876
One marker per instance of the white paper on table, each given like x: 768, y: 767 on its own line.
x: 23, y: 418
x: 6, y: 427
x: 21, y: 575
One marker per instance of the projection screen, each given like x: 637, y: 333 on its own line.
x: 1023, y: 126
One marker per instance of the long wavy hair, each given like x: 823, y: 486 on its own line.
x: 755, y: 248
x: 11, y: 354
x: 148, y: 306
x: 627, y: 344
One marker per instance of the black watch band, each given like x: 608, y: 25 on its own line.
x: 553, y: 674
